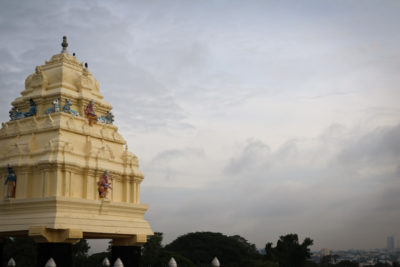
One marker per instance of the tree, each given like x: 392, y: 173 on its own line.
x: 289, y: 252
x: 154, y: 254
x: 96, y: 259
x: 269, y: 252
x: 151, y: 249
x: 165, y: 255
x: 80, y: 253
x: 202, y: 247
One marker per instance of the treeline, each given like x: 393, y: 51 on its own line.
x: 195, y: 249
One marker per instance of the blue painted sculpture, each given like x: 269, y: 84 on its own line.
x: 11, y: 182
x: 107, y: 119
x: 32, y: 110
x: 55, y: 108
x: 15, y: 114
x: 67, y: 108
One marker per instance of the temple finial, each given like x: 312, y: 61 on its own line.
x: 64, y: 45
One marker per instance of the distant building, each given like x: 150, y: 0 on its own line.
x: 325, y: 252
x: 390, y: 242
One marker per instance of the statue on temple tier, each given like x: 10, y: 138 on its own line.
x: 11, y: 182
x: 67, y: 108
x: 54, y: 108
x: 90, y: 114
x: 104, y: 185
x: 32, y: 109
x: 107, y: 119
x: 15, y: 114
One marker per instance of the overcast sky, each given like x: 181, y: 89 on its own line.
x: 257, y: 118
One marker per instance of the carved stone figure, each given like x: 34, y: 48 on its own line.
x: 32, y: 110
x: 103, y: 186
x: 55, y: 108
x: 15, y: 114
x: 67, y: 108
x: 38, y: 70
x: 90, y: 113
x: 107, y: 119
x: 11, y: 182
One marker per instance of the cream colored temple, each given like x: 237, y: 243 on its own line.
x: 59, y: 158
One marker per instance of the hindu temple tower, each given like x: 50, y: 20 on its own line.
x: 74, y: 176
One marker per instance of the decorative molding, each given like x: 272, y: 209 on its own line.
x: 43, y: 234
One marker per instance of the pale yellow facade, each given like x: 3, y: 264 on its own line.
x: 58, y: 159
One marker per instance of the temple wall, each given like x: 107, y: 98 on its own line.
x: 62, y: 181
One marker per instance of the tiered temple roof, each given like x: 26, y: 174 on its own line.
x: 59, y: 152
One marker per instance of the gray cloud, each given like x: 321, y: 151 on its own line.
x: 323, y: 202
x: 379, y: 147
x: 255, y: 155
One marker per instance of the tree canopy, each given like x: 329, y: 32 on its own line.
x: 153, y: 253
x: 202, y: 247
x: 288, y: 252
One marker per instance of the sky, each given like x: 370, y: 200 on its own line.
x: 257, y: 118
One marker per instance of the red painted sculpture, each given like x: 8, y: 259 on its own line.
x: 90, y: 113
x: 104, y: 185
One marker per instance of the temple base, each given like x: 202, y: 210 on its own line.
x: 60, y: 252
x: 129, y: 255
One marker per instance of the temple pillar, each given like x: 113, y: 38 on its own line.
x: 54, y: 243
x: 128, y: 250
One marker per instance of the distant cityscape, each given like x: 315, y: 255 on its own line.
x: 364, y: 257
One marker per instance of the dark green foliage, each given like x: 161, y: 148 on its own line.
x: 154, y: 255
x: 259, y: 263
x: 347, y: 263
x: 82, y: 259
x: 81, y: 248
x: 289, y: 252
x: 164, y: 256
x: 311, y: 264
x: 202, y: 247
x: 269, y: 252
x: 194, y: 249
x: 23, y: 250
x: 94, y: 260
x: 152, y: 249
x: 80, y: 254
